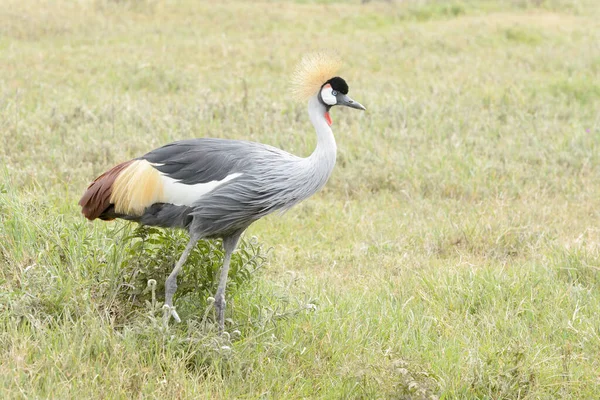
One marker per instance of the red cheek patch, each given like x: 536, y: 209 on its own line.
x: 328, y: 118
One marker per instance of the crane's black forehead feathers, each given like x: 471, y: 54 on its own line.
x: 338, y: 84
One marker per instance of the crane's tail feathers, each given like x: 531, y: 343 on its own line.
x: 96, y: 198
x: 127, y: 189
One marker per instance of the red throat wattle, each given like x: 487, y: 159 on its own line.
x: 328, y: 118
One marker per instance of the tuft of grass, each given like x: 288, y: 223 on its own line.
x: 433, y: 10
x: 579, y: 268
x: 576, y: 90
x: 522, y: 35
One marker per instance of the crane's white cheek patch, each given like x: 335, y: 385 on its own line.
x: 327, y: 96
x: 180, y: 194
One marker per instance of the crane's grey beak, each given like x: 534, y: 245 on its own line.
x: 344, y: 100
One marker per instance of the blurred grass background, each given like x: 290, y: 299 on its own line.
x: 453, y: 254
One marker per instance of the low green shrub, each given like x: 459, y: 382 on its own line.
x: 152, y: 254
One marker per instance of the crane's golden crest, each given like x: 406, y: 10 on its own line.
x: 312, y: 72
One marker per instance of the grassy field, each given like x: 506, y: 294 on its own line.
x: 454, y: 254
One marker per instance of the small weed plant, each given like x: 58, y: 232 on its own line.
x: 152, y: 254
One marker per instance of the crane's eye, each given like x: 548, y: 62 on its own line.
x: 334, y: 92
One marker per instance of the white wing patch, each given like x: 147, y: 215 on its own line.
x: 180, y: 194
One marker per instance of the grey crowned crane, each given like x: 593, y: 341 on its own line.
x: 216, y: 188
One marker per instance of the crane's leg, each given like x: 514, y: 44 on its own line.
x: 229, y: 245
x: 171, y: 283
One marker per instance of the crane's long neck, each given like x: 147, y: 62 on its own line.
x: 322, y: 160
x: 298, y: 178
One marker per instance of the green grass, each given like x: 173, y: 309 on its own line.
x: 453, y: 254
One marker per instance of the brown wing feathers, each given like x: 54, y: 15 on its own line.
x: 130, y: 187
x: 96, y: 199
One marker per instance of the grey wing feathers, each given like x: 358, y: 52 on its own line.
x: 204, y: 160
x: 199, y: 160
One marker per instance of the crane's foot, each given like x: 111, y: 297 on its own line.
x: 220, y: 309
x: 168, y: 312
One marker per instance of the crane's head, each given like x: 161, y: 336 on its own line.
x: 334, y: 92
x: 316, y: 75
